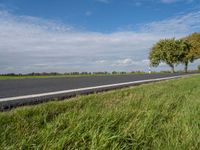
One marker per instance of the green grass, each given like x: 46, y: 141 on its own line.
x: 8, y: 77
x: 163, y: 115
x: 12, y: 77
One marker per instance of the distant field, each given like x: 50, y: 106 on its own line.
x: 7, y: 77
x: 163, y: 115
x: 41, y: 76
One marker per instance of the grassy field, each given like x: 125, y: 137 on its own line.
x: 8, y: 77
x: 163, y: 115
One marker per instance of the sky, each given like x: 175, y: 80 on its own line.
x: 89, y: 35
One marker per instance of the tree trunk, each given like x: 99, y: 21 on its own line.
x: 172, y: 67
x: 173, y: 71
x: 186, y: 67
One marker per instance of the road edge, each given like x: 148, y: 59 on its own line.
x: 12, y: 102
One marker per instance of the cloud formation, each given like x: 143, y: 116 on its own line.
x: 165, y: 2
x: 30, y: 44
x: 176, y: 26
x: 174, y: 1
x: 104, y: 1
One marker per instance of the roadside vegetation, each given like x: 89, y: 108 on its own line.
x: 77, y: 74
x: 60, y: 75
x: 73, y: 74
x: 164, y: 115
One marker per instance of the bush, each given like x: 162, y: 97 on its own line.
x: 198, y: 67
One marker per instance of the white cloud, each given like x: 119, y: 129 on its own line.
x: 88, y: 13
x: 29, y: 44
x: 145, y: 61
x: 100, y: 61
x: 144, y: 2
x: 169, y: 1
x: 126, y: 62
x: 174, y: 1
x: 104, y: 1
x: 130, y: 62
x: 176, y: 26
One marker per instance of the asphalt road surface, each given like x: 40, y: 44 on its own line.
x: 16, y: 88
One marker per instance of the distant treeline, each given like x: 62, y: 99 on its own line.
x: 88, y: 73
x: 72, y: 73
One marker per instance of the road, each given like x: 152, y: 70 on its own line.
x: 27, y: 91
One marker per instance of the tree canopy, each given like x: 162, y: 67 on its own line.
x: 176, y: 51
x: 166, y: 51
x: 194, y: 40
x: 172, y: 52
x: 185, y: 53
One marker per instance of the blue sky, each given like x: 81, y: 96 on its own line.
x: 102, y: 15
x: 89, y: 35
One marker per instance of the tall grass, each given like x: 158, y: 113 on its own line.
x: 163, y: 115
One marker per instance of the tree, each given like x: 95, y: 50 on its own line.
x: 198, y: 67
x: 166, y: 51
x: 185, y: 53
x: 194, y: 40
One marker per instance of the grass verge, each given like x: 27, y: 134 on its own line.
x: 7, y: 77
x: 163, y: 115
x: 12, y: 77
